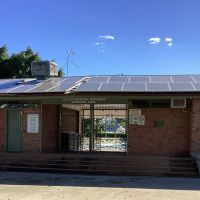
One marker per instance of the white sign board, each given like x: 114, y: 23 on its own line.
x: 136, y: 118
x: 141, y: 120
x: 33, y: 123
x: 135, y: 112
x: 133, y: 119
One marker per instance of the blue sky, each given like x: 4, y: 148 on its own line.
x: 108, y: 36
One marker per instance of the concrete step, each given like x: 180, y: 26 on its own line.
x: 100, y: 172
x: 105, y: 167
x: 102, y: 160
x: 108, y: 164
x: 100, y: 165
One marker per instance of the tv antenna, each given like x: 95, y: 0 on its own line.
x: 70, y: 52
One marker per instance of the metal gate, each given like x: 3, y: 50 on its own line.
x: 14, y: 130
x: 109, y: 128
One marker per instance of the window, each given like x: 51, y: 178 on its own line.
x: 158, y: 103
x: 141, y: 103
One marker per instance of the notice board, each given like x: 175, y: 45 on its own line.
x: 33, y: 123
x: 136, y: 118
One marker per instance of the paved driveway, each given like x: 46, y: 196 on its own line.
x: 37, y: 186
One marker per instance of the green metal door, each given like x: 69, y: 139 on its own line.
x: 14, y: 128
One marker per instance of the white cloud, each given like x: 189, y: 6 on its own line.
x: 106, y: 37
x: 99, y: 43
x: 102, y: 42
x: 100, y: 46
x: 168, y: 39
x: 154, y: 40
x: 169, y: 44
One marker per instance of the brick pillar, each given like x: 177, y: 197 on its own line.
x: 50, y: 128
x: 31, y: 141
x: 195, y: 130
x: 3, y: 133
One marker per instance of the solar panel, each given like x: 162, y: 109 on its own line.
x: 8, y: 85
x: 161, y: 79
x: 98, y: 79
x: 182, y: 79
x: 196, y: 78
x: 45, y: 85
x: 134, y: 87
x: 111, y: 87
x: 88, y: 87
x: 21, y: 88
x: 197, y: 86
x: 65, y: 84
x: 4, y: 80
x: 157, y: 87
x: 139, y: 79
x: 181, y: 87
x: 74, y: 79
x: 118, y: 79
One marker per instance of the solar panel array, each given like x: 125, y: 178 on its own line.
x: 12, y: 86
x: 158, y: 83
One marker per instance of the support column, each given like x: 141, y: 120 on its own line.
x: 195, y: 129
x: 92, y: 127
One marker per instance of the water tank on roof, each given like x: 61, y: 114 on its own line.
x: 44, y: 69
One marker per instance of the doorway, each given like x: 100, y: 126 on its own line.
x: 94, y: 128
x: 14, y: 131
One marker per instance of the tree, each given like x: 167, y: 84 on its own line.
x: 17, y: 65
x: 3, y: 53
x: 4, y: 61
x: 61, y: 73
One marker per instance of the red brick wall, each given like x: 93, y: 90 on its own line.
x: 69, y: 121
x: 31, y: 141
x: 50, y: 128
x: 195, y: 131
x: 172, y: 140
x: 3, y: 130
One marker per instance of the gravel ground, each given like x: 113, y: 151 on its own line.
x: 41, y: 186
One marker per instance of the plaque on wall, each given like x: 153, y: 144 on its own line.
x: 33, y: 123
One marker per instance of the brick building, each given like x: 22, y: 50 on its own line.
x: 132, y: 115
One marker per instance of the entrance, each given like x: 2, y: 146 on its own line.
x: 101, y: 127
x: 14, y: 131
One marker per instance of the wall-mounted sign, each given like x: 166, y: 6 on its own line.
x: 84, y: 100
x: 133, y: 119
x: 33, y: 123
x: 136, y: 118
x: 141, y: 120
x: 135, y: 112
x: 159, y: 124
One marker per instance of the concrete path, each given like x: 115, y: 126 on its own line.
x: 38, y: 186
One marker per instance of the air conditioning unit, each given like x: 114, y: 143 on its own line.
x: 42, y: 69
x: 178, y: 103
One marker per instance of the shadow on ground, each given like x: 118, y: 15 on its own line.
x: 44, y: 179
